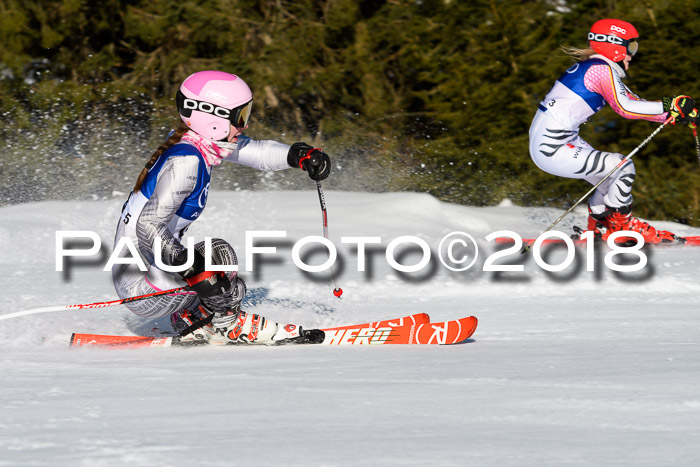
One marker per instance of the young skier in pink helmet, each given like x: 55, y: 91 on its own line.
x: 171, y: 193
x: 557, y: 148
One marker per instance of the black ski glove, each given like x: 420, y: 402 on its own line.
x: 316, y: 162
x: 205, y: 283
x: 680, y: 107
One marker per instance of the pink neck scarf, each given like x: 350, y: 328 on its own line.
x: 213, y: 151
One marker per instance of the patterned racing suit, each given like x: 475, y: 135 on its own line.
x: 172, y: 196
x: 555, y: 144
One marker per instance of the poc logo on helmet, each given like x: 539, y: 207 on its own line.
x: 206, y: 107
x: 618, y: 29
x: 216, y: 96
x: 605, y: 38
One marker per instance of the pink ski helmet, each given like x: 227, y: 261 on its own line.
x: 614, y: 39
x: 208, y: 101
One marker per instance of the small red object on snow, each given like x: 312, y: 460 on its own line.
x: 338, y: 292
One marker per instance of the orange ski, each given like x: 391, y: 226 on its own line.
x: 414, y: 329
x: 406, y: 332
x: 81, y: 340
x: 621, y: 241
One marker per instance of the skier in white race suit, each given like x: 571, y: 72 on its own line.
x: 580, y: 92
x: 171, y: 193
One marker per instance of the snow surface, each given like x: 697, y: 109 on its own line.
x: 578, y: 368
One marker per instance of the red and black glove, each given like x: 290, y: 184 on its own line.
x: 681, y: 108
x: 314, y: 161
x: 205, y: 283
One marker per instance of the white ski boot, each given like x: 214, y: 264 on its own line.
x: 248, y: 328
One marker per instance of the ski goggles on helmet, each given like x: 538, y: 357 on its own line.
x: 238, y: 116
x: 630, y: 45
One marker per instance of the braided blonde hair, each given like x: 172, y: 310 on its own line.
x: 173, y: 139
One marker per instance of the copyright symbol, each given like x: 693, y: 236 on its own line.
x: 460, y: 248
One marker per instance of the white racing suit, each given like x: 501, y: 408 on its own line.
x: 172, y: 196
x: 555, y: 144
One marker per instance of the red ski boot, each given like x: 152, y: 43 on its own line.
x: 622, y: 219
x: 597, y: 223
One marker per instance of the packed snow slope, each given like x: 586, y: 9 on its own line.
x: 567, y: 368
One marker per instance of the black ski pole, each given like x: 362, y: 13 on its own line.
x: 337, y: 291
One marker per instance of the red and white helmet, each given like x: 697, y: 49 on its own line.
x: 613, y: 39
x: 208, y: 101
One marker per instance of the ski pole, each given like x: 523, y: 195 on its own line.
x: 92, y: 305
x: 337, y: 291
x: 622, y: 162
x: 697, y: 142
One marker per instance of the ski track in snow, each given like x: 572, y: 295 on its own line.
x: 591, y: 369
